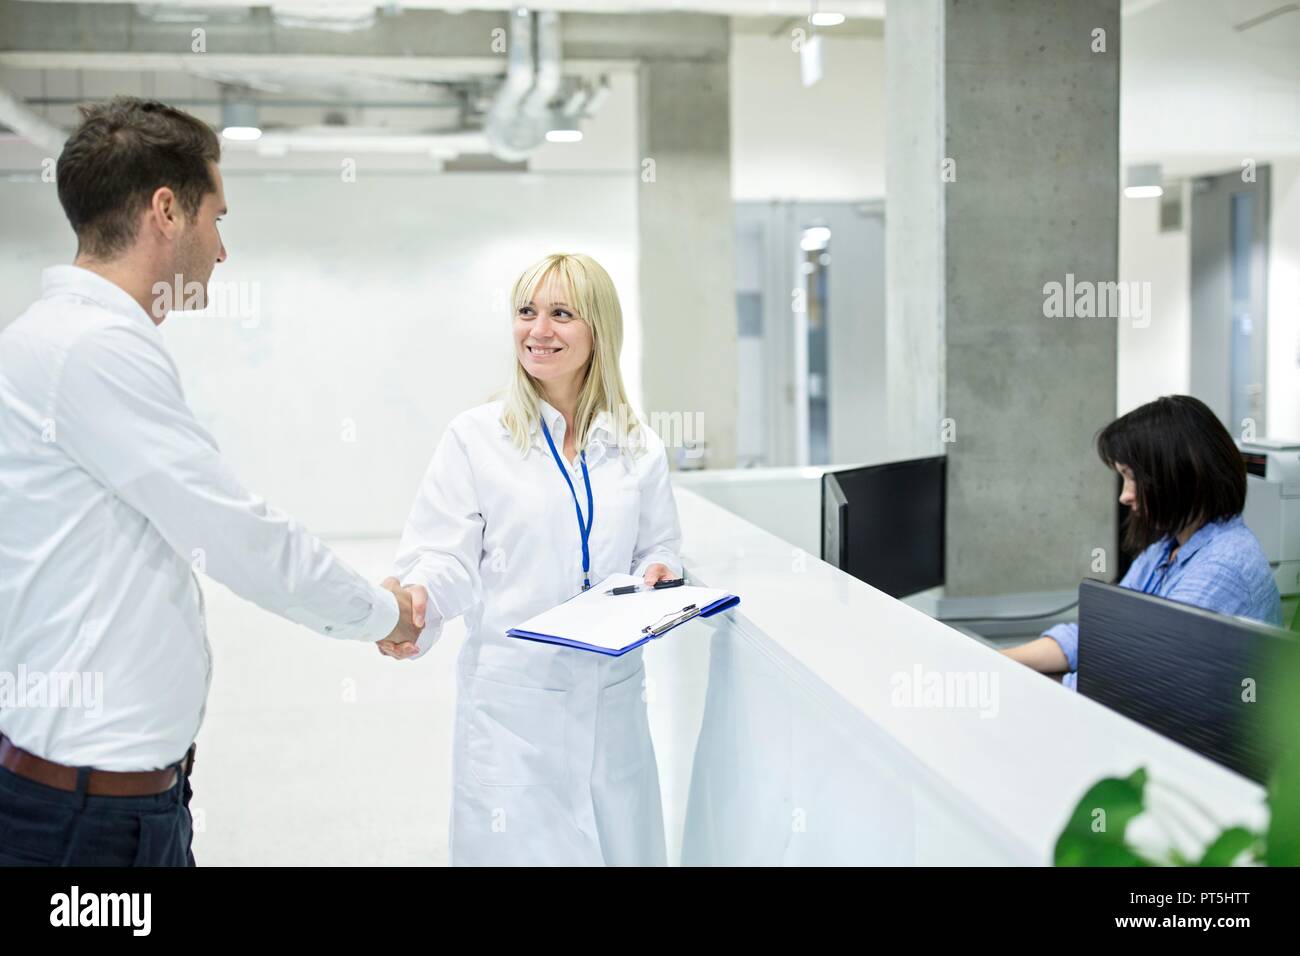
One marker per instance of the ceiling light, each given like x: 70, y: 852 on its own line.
x: 239, y: 120
x: 1142, y: 181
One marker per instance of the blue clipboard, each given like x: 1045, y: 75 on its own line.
x: 722, y: 604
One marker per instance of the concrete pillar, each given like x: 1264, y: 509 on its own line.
x: 914, y: 240
x: 1021, y: 101
x: 688, y: 302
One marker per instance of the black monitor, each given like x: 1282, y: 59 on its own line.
x: 1203, y: 679
x: 883, y: 524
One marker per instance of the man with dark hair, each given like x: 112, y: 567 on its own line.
x: 1184, y: 483
x: 109, y: 169
x: 111, y: 495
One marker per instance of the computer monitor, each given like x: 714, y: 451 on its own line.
x: 884, y: 524
x: 1203, y: 679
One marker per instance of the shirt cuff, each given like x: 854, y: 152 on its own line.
x: 1071, y: 681
x: 381, y: 620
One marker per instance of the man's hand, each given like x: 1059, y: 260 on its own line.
x: 411, y: 604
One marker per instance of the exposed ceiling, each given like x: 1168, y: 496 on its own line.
x: 421, y: 76
x: 344, y: 10
x: 406, y: 79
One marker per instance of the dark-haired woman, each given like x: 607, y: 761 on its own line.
x: 1185, y: 487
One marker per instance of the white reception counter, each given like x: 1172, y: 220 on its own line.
x: 825, y: 722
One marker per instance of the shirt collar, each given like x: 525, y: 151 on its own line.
x: 74, y: 280
x: 601, y: 425
x: 1204, y: 535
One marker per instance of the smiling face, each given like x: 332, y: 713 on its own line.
x: 552, y: 342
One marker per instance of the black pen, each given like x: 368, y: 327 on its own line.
x: 658, y: 586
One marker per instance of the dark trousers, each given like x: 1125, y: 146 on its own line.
x: 42, y: 826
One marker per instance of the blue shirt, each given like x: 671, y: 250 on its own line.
x: 1222, y: 568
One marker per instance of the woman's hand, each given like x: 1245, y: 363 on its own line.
x: 1043, y: 654
x: 658, y: 572
x: 401, y: 650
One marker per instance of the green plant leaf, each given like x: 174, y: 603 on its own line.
x: 1283, y: 841
x: 1120, y: 799
x: 1227, y: 846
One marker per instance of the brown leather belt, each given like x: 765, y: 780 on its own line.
x: 102, y: 783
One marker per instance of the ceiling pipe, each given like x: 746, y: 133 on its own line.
x: 520, y: 117
x: 520, y: 72
x: 537, y: 105
x: 28, y: 125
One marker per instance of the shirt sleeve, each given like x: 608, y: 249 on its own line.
x: 121, y: 416
x: 442, y: 543
x: 659, y: 532
x: 1067, y: 635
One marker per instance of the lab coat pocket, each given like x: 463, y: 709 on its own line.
x: 515, y: 734
x: 623, y: 745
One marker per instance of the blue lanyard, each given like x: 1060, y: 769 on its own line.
x: 584, y: 529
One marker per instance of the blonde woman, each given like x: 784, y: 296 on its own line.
x: 527, y: 501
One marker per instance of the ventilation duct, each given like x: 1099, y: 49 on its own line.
x: 520, y: 117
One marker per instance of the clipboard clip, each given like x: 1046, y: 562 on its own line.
x: 671, y: 620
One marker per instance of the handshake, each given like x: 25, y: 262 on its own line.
x: 411, y: 604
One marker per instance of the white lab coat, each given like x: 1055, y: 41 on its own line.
x: 552, y: 760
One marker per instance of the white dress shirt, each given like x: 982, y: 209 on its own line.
x: 111, y: 497
x: 493, y: 534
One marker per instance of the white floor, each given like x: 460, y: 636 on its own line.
x: 317, y: 751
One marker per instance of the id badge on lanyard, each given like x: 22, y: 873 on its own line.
x: 584, y: 528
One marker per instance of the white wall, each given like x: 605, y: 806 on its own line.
x: 1284, y: 304
x: 383, y: 302
x: 1193, y: 85
x: 1199, y: 97
x: 383, y: 313
x: 1153, y: 360
x: 824, y: 142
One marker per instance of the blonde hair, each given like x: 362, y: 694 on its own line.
x: 595, y: 300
